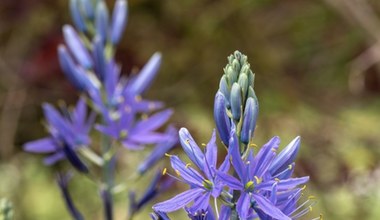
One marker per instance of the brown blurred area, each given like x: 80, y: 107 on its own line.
x: 317, y: 66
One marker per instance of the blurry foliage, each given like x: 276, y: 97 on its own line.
x: 299, y: 49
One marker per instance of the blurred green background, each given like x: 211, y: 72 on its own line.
x: 317, y: 75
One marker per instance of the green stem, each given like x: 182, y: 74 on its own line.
x: 107, y: 182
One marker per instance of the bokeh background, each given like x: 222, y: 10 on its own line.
x: 317, y: 75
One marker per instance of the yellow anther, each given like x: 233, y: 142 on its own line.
x: 164, y: 171
x: 303, y: 188
x: 187, y: 141
x: 310, y: 208
x: 290, y: 167
x: 178, y: 173
x: 203, y: 144
x: 168, y: 155
x: 273, y: 150
x: 258, y: 180
x: 253, y: 145
x: 311, y: 197
x: 144, y: 116
x: 277, y: 179
x: 187, y: 165
x: 138, y: 98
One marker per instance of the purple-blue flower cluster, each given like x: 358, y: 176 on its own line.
x: 251, y: 182
x: 111, y: 104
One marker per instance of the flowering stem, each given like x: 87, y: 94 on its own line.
x: 107, y: 178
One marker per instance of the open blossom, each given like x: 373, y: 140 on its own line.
x: 202, y: 186
x: 261, y: 194
x: 68, y: 131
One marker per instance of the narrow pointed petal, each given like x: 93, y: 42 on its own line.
x: 146, y: 75
x: 236, y: 101
x: 99, y: 58
x: 155, y: 121
x: 148, y: 138
x: 224, y: 89
x: 88, y: 8
x: 76, y: 46
x: 225, y: 213
x: 179, y: 201
x: 132, y: 146
x: 200, y: 203
x: 119, y: 20
x: 77, y: 16
x: 266, y: 206
x: 52, y: 159
x: 101, y: 20
x: 190, y: 175
x: 234, y: 151
x: 265, y: 157
x: 283, y: 184
x: 243, y: 205
x: 286, y: 156
x: 230, y: 181
x: 159, y: 151
x: 44, y: 145
x: 249, y: 121
x: 191, y: 148
x: 221, y: 119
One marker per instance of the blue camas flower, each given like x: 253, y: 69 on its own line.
x: 258, y: 188
x: 259, y: 185
x: 202, y: 186
x: 68, y: 132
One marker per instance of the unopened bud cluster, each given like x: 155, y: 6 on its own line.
x: 235, y: 101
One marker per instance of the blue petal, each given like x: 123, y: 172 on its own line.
x: 237, y: 162
x: 77, y: 16
x: 283, y: 184
x: 286, y: 156
x: 236, y: 101
x: 159, y: 151
x: 101, y: 20
x: 200, y: 203
x: 225, y: 213
x: 155, y: 121
x: 266, y: 206
x: 211, y: 156
x: 99, y: 58
x: 230, y: 181
x: 146, y: 75
x: 119, y: 20
x: 243, y: 205
x: 191, y: 176
x: 221, y: 119
x: 76, y: 47
x: 179, y: 201
x: 52, y: 159
x: 265, y: 157
x: 88, y: 8
x: 44, y: 145
x: 148, y: 138
x: 249, y: 121
x: 191, y: 148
